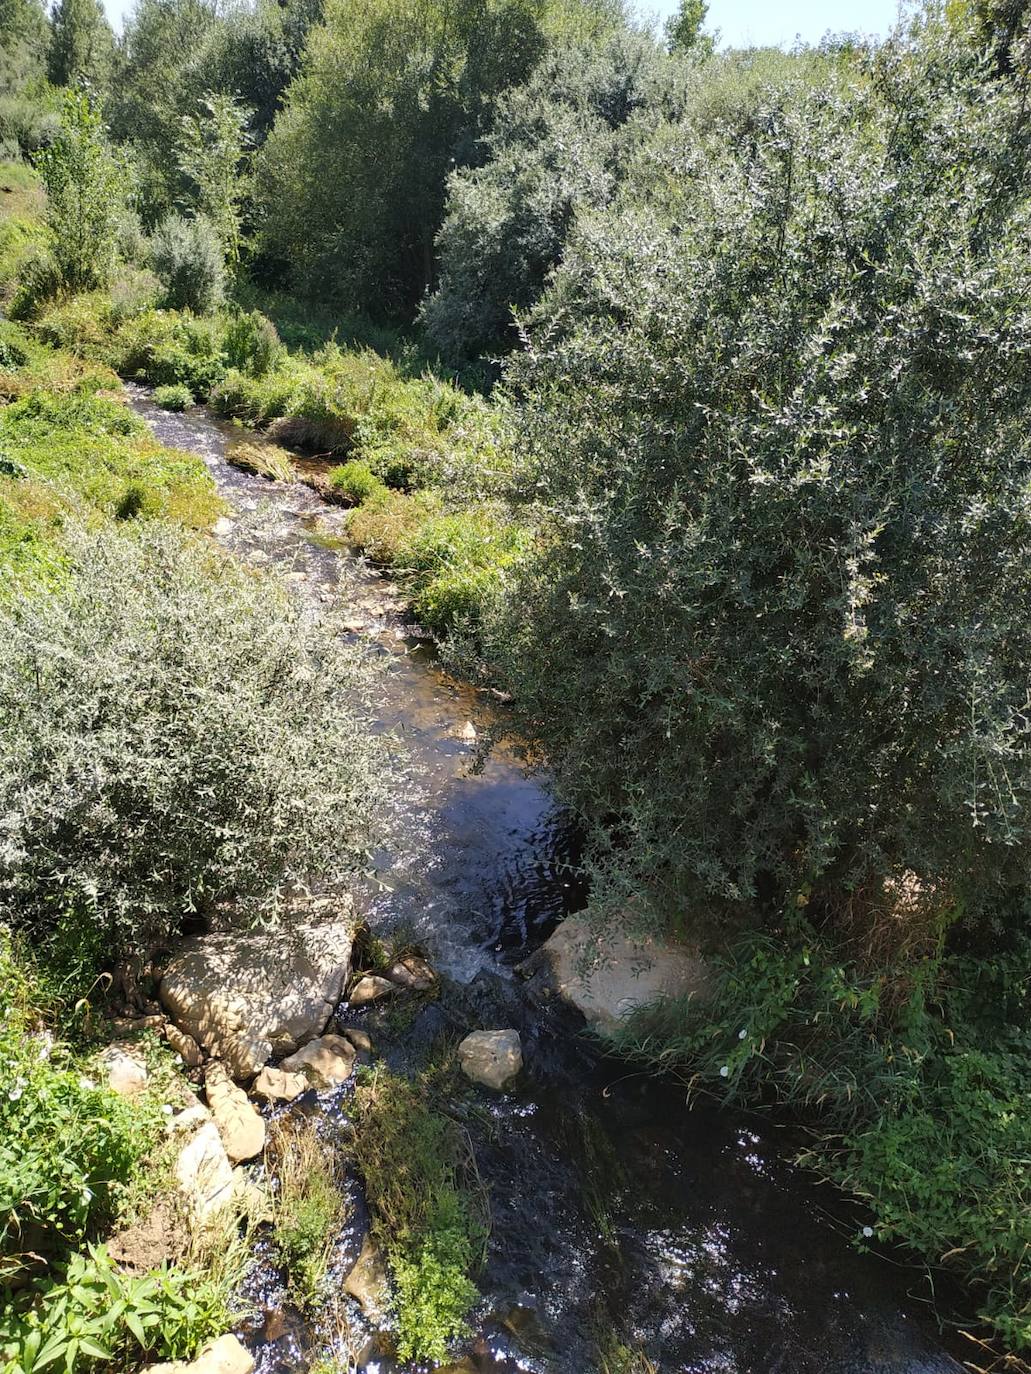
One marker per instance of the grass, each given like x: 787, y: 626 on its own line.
x: 309, y: 1208
x: 429, y: 1207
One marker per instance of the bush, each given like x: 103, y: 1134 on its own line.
x: 252, y: 344
x: 175, y: 736
x: 173, y: 397
x: 356, y: 481
x: 187, y: 257
x: 309, y: 1208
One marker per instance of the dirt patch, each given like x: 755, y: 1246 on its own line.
x: 146, y: 1243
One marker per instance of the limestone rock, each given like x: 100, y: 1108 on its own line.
x: 204, y: 1173
x: 126, y: 1027
x: 368, y: 1282
x: 241, y: 1128
x: 275, y: 1085
x: 369, y: 989
x: 326, y: 1061
x: 126, y: 1072
x: 607, y: 976
x: 222, y: 527
x: 412, y: 972
x: 251, y: 998
x: 492, y: 1058
x: 224, y: 1356
x: 185, y: 1046
x: 189, y: 1119
x: 360, y: 1039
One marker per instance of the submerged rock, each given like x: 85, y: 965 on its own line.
x: 368, y: 1282
x: 412, y: 972
x: 326, y: 1061
x: 370, y: 989
x: 251, y: 998
x: 241, y: 1128
x: 607, y: 975
x: 492, y: 1058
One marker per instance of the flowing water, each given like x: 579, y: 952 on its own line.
x: 614, y: 1207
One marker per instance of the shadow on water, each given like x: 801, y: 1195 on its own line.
x: 614, y: 1206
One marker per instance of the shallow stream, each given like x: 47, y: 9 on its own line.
x: 614, y: 1207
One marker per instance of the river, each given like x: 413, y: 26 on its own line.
x: 615, y: 1206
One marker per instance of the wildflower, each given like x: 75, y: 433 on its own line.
x: 725, y: 1071
x: 742, y: 1034
x: 867, y: 1232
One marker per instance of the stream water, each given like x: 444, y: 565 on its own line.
x: 614, y: 1207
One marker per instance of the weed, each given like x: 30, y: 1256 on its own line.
x: 309, y: 1207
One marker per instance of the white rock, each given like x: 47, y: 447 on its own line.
x: 222, y: 526
x: 204, y: 1173
x: 276, y: 1086
x: 370, y: 989
x: 126, y: 1073
x: 608, y: 975
x: 224, y: 1356
x: 251, y: 998
x: 239, y: 1124
x: 189, y: 1119
x: 325, y: 1062
x: 492, y: 1058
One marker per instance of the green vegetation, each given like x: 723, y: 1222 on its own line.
x: 309, y: 1210
x: 430, y: 1219
x: 173, y: 397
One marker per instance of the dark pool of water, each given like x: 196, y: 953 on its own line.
x: 614, y: 1206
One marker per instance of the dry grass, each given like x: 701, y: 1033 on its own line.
x: 264, y: 460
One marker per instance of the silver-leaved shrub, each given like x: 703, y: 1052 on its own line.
x: 176, y: 736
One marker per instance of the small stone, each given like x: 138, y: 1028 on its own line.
x: 360, y: 1039
x: 126, y: 1074
x: 326, y: 1061
x: 369, y: 989
x: 222, y: 526
x: 492, y: 1058
x: 412, y: 972
x: 241, y: 1128
x: 224, y: 1356
x: 467, y: 732
x: 204, y: 1173
x: 275, y: 1085
x: 368, y: 1282
x: 185, y: 1046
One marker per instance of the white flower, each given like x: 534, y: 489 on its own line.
x: 725, y: 1071
x: 168, y: 1109
x: 14, y: 1094
x: 867, y: 1231
x: 742, y: 1034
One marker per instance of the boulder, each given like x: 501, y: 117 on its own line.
x: 125, y: 1071
x: 606, y: 974
x: 492, y: 1058
x: 185, y: 1046
x: 224, y: 1356
x: 204, y: 1173
x: 275, y: 1085
x: 368, y: 1282
x: 369, y: 989
x: 239, y: 1124
x: 251, y: 998
x: 325, y: 1062
x: 412, y: 972
x: 360, y: 1039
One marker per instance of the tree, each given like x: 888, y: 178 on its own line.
x: 213, y: 156
x: 684, y: 28
x: 776, y: 406
x: 85, y: 184
x: 81, y: 48
x: 553, y: 148
x: 393, y: 93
